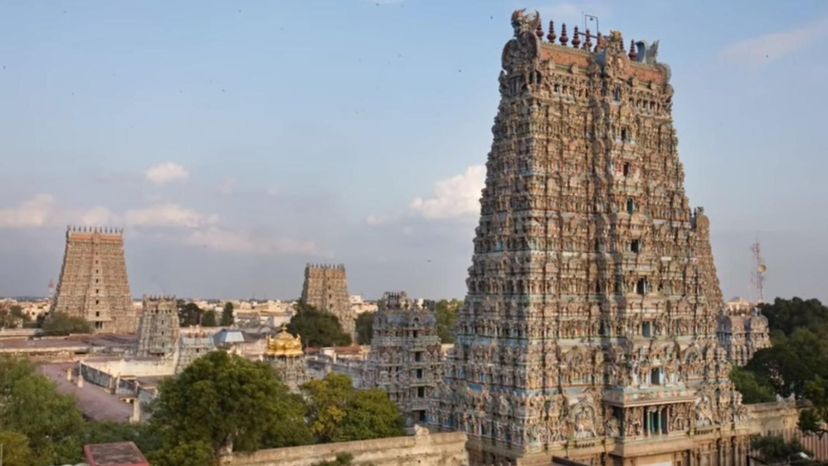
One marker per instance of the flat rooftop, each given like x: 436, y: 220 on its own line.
x: 114, y: 454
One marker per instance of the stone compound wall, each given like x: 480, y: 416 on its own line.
x: 780, y: 418
x: 446, y: 449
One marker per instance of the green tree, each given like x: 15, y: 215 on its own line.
x: 16, y: 450
x: 365, y: 328
x: 317, y: 328
x: 447, y: 312
x: 13, y: 316
x: 750, y: 388
x: 227, y: 315
x: 189, y: 314
x: 110, y: 432
x: 208, y: 319
x: 31, y: 406
x: 773, y: 449
x: 338, y: 413
x: 785, y: 316
x: 228, y: 403
x: 60, y: 323
x: 797, y: 363
x: 194, y: 453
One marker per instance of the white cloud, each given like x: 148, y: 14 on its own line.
x: 167, y: 215
x: 455, y: 197
x: 223, y: 240
x: 96, y: 216
x: 767, y: 48
x: 35, y: 212
x: 166, y: 172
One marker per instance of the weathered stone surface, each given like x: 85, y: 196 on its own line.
x: 405, y: 358
x: 326, y: 289
x: 442, y: 449
x: 742, y: 331
x: 158, y: 327
x: 589, y: 327
x: 93, y: 280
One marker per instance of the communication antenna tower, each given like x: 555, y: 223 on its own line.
x: 591, y: 19
x: 759, y: 270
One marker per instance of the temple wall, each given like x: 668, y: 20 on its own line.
x: 444, y: 449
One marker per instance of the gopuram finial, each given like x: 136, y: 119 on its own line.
x: 588, y: 41
x: 633, y: 52
x: 539, y: 30
x: 551, y: 36
x: 564, y: 39
x: 576, y: 41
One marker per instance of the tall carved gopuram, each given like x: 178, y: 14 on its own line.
x: 326, y: 289
x: 93, y: 280
x: 589, y: 327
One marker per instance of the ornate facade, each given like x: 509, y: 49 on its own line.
x: 743, y: 331
x: 93, y: 280
x: 326, y: 288
x: 589, y: 327
x: 405, y: 358
x: 284, y: 353
x: 158, y: 327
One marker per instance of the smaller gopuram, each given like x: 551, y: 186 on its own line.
x: 93, y: 281
x: 405, y: 358
x: 326, y: 289
x: 284, y: 353
x: 742, y: 331
x: 158, y: 327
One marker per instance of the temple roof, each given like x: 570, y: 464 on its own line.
x: 284, y: 344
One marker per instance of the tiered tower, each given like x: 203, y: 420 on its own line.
x: 743, y: 331
x: 405, y: 358
x: 326, y: 289
x: 93, y: 280
x: 589, y: 327
x: 158, y: 327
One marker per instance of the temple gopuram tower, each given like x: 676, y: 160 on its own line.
x: 326, y: 289
x: 589, y: 326
x: 93, y: 280
x: 405, y: 358
x: 158, y: 327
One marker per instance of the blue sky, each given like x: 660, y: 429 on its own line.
x: 236, y: 141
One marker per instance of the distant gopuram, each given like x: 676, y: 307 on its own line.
x: 589, y: 325
x: 93, y: 280
x: 326, y: 289
x: 158, y: 327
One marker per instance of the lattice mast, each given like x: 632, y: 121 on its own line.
x: 759, y: 271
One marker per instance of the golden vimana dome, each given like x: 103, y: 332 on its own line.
x: 284, y: 344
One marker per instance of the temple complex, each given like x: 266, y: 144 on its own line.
x: 93, y: 280
x: 326, y: 289
x: 405, y: 358
x: 158, y: 327
x: 284, y: 353
x: 742, y: 331
x: 589, y: 325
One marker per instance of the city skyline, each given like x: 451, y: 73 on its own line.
x: 245, y: 142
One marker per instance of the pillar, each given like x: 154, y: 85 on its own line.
x: 136, y: 412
